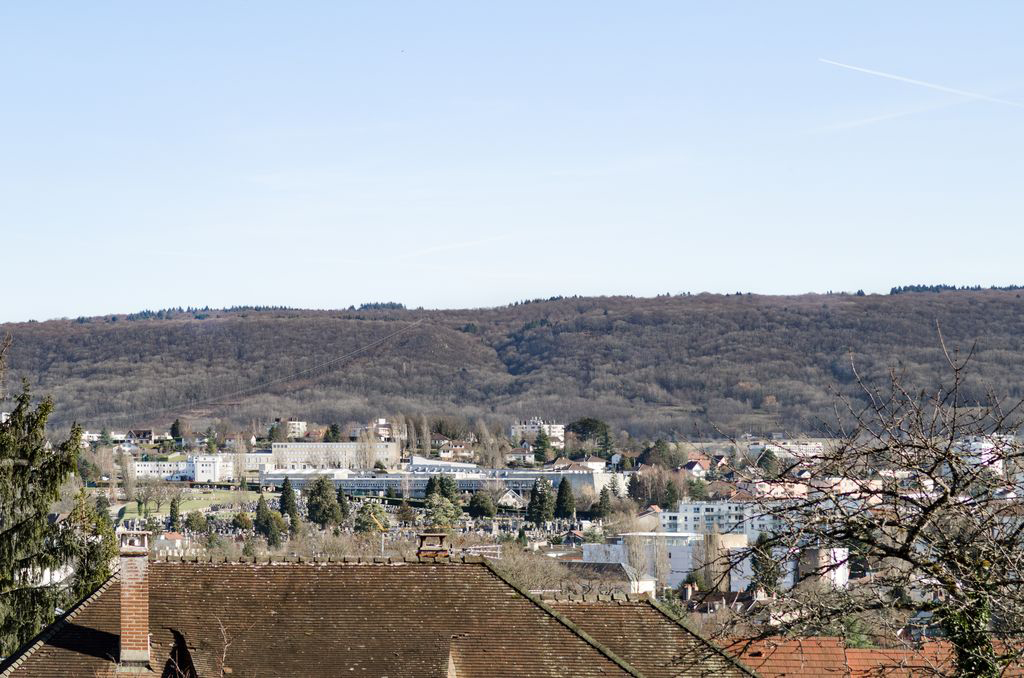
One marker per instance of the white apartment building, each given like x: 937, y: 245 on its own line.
x: 296, y: 429
x: 728, y: 517
x: 326, y: 456
x: 807, y: 450
x: 202, y: 468
x: 527, y: 430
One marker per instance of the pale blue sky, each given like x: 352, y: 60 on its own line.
x: 449, y: 154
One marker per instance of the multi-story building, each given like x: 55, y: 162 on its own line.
x: 328, y: 456
x: 412, y: 482
x: 725, y: 516
x: 200, y: 468
x: 528, y: 430
x: 807, y: 450
x: 296, y: 429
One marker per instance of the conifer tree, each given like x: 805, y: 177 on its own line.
x: 322, y: 503
x: 289, y: 506
x: 343, y: 504
x: 371, y: 518
x: 670, y: 497
x: 449, y: 489
x: 432, y: 486
x: 482, y: 506
x: 542, y: 503
x: 175, y: 512
x: 94, y: 545
x: 604, y: 503
x: 31, y: 474
x: 541, y: 446
x: 565, y: 504
x: 262, y: 521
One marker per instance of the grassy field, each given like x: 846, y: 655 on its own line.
x: 194, y: 501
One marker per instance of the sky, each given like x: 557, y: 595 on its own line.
x: 467, y: 154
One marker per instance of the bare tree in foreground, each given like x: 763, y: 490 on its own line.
x: 920, y: 499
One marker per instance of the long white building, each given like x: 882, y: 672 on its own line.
x: 334, y: 456
x: 412, y: 482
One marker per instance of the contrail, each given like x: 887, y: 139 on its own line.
x: 929, y: 85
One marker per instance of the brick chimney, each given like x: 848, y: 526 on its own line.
x: 134, y: 600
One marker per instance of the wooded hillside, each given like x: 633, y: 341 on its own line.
x: 659, y: 366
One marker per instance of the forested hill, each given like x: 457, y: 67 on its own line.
x: 651, y: 366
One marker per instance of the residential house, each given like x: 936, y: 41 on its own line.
x: 522, y: 454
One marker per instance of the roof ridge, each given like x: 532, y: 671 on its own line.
x: 17, y: 658
x: 682, y: 623
x: 568, y: 623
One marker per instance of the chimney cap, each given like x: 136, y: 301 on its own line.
x: 134, y: 542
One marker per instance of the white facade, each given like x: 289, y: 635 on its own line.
x: 204, y: 468
x: 327, y: 456
x: 4, y: 416
x: 296, y: 429
x: 529, y: 429
x: 728, y: 517
x: 468, y: 478
x: 801, y: 450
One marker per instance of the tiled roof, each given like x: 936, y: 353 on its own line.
x: 649, y: 638
x: 827, y: 656
x: 820, y: 657
x: 326, y: 619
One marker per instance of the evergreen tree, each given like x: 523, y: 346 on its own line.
x: 343, y: 504
x: 289, y: 506
x: 31, y: 475
x: 521, y: 537
x: 605, y: 447
x: 432, y: 486
x: 262, y: 521
x: 766, y: 570
x: 635, y: 489
x: 94, y: 544
x: 333, y: 434
x: 176, y: 429
x: 768, y: 462
x: 541, y: 446
x: 604, y: 503
x: 175, y: 511
x: 371, y: 517
x: 441, y: 512
x: 482, y: 506
x: 450, y: 489
x: 196, y: 522
x: 670, y: 497
x: 322, y: 503
x: 542, y: 503
x: 697, y: 489
x: 565, y: 504
x: 211, y: 441
x: 106, y: 440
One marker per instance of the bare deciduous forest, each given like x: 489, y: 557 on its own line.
x: 668, y: 366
